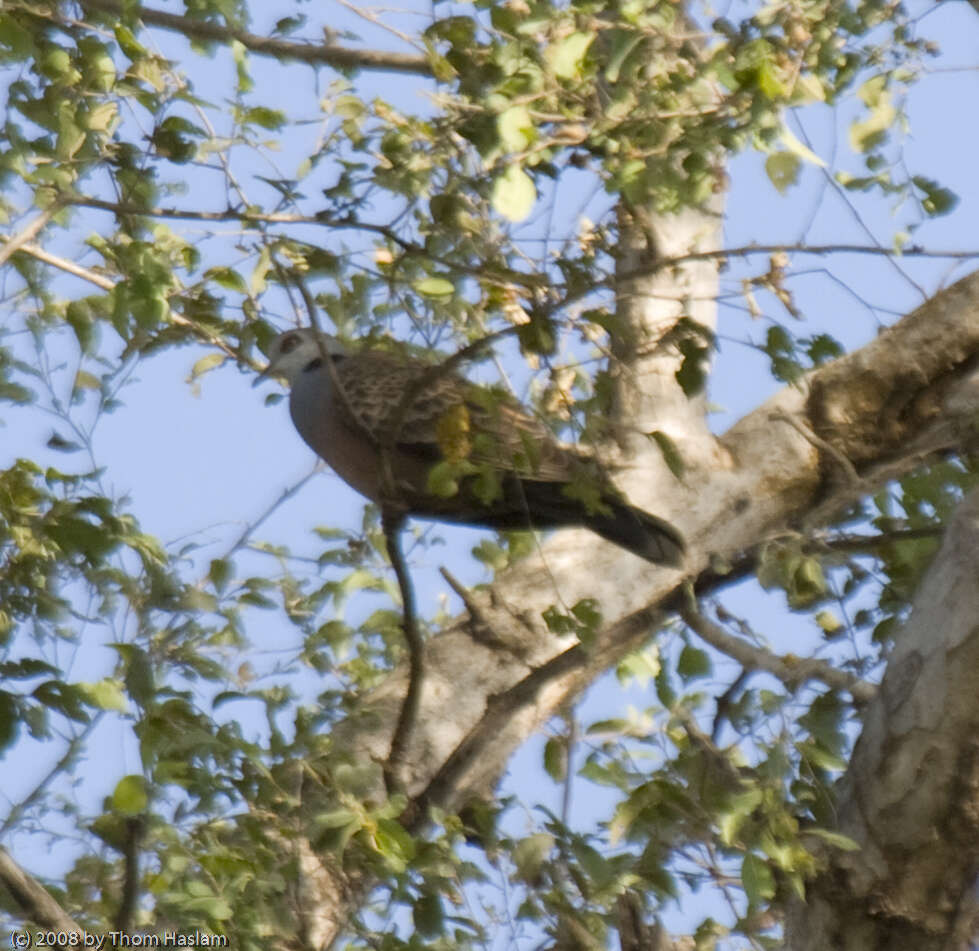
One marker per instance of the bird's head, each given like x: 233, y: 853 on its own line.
x: 291, y: 352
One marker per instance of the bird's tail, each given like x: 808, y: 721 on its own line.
x: 645, y: 535
x: 637, y: 531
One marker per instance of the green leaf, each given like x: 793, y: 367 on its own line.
x: 828, y: 622
x: 335, y: 819
x: 739, y: 808
x: 266, y: 118
x: 227, y: 277
x: 25, y: 669
x: 871, y: 132
x: 768, y: 80
x: 530, y: 854
x: 567, y: 56
x: 15, y: 38
x: 874, y: 90
x: 670, y: 451
x: 836, y: 839
x: 219, y: 572
x: 105, y: 694
x: 9, y: 719
x: 102, y: 72
x: 65, y: 698
x: 514, y: 194
x: 693, y: 663
x: 394, y: 843
x: 86, y: 381
x: 664, y: 688
x: 213, y: 906
x: 821, y: 757
x: 58, y: 443
x: 624, y: 42
x: 555, y: 759
x: 129, y: 797
x: 758, y: 880
x: 797, y: 148
x: 55, y: 63
x: 257, y: 282
x: 427, y: 915
x: 638, y: 667
x: 435, y: 287
x: 516, y: 128
x: 207, y: 363
x: 783, y: 169
x: 808, y: 582
x: 937, y: 199
x: 443, y: 480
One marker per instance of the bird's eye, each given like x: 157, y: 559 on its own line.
x: 289, y: 343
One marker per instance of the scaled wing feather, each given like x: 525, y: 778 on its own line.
x: 375, y: 385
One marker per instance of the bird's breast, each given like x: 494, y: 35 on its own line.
x: 320, y: 422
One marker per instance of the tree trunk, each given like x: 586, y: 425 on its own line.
x: 910, y: 798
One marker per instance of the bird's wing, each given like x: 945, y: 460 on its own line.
x: 449, y: 417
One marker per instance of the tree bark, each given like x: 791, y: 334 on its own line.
x: 910, y: 798
x: 33, y: 898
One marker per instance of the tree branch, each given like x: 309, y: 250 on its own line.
x: 394, y: 781
x: 315, y: 54
x: 33, y: 898
x: 793, y: 672
x: 13, y: 244
x: 135, y: 828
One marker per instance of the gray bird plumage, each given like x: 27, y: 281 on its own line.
x: 434, y: 445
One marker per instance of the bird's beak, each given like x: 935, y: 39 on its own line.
x: 266, y: 374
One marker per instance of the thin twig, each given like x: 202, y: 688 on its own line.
x: 571, y: 740
x: 392, y: 523
x: 286, y: 494
x: 374, y: 19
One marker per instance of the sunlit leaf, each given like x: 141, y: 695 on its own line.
x: 514, y: 194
